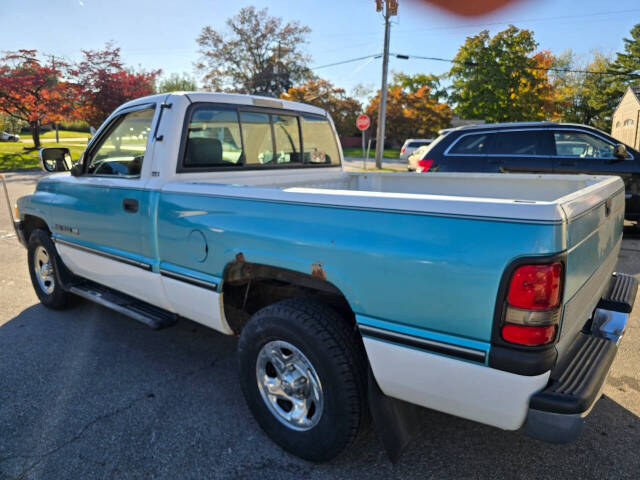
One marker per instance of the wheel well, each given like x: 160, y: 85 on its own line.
x: 31, y: 223
x: 248, y: 287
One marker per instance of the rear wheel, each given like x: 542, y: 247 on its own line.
x: 43, y: 259
x: 303, y: 377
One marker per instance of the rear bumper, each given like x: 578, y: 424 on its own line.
x: 556, y: 414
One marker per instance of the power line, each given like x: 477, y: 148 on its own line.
x: 485, y: 65
x: 526, y: 67
x: 351, y: 60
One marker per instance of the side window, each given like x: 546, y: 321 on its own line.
x: 319, y: 141
x: 516, y: 143
x: 213, y: 138
x: 583, y: 145
x: 256, y: 134
x: 287, y: 134
x: 471, y: 145
x: 122, y: 151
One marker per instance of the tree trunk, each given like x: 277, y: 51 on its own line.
x: 35, y: 133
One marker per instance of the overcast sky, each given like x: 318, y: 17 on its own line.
x: 161, y: 33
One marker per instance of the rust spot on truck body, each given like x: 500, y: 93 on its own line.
x: 317, y: 271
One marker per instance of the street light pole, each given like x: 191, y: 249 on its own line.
x: 382, y: 108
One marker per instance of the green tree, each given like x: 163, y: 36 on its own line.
x: 177, y: 83
x: 322, y: 93
x: 586, y: 98
x: 629, y: 60
x: 257, y: 54
x: 501, y: 78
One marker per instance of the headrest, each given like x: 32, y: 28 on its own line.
x: 203, y: 151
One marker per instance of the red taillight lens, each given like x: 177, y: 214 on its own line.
x: 403, y: 149
x: 526, y: 335
x: 424, y: 165
x: 536, y: 287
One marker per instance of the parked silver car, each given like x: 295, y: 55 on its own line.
x: 9, y: 137
x: 411, y: 144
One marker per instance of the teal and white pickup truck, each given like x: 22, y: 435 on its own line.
x: 489, y: 297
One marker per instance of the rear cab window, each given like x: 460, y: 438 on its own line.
x: 238, y: 137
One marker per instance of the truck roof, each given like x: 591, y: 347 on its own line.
x: 233, y: 98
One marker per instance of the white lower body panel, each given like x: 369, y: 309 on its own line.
x: 189, y: 301
x: 197, y: 304
x: 137, y: 282
x: 457, y: 387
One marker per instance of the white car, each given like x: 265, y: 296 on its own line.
x: 411, y: 144
x: 9, y: 137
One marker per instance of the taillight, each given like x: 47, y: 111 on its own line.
x: 403, y: 149
x: 424, y: 165
x: 535, y: 287
x: 533, y: 302
x: 526, y: 335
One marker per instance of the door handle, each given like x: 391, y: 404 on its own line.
x: 130, y: 205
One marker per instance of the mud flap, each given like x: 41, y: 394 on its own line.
x: 396, y: 421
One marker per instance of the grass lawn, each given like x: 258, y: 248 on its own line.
x: 16, y: 156
x: 13, y: 156
x: 357, y: 152
x: 61, y: 134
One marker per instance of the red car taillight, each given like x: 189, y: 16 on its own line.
x: 424, y: 165
x: 533, y: 302
x: 530, y: 336
x: 535, y: 287
x: 402, y: 150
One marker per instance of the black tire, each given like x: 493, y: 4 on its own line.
x: 335, y: 350
x: 57, y: 298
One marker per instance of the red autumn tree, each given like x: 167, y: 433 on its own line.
x: 33, y: 91
x: 103, y: 84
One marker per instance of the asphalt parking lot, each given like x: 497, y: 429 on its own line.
x: 88, y: 393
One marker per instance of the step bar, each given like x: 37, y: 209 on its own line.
x: 143, y: 312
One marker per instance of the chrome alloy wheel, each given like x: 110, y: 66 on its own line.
x: 289, y: 385
x: 43, y: 269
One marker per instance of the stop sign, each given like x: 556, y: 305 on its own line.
x: 363, y: 121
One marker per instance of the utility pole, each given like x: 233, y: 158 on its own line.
x: 390, y: 9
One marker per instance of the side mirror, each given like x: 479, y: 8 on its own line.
x: 56, y: 159
x: 620, y: 151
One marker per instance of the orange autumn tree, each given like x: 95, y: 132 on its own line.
x: 322, y: 93
x: 415, y: 108
x: 34, y: 91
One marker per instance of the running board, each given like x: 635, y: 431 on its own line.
x: 151, y: 316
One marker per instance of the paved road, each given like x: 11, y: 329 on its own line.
x: 387, y: 163
x: 91, y: 394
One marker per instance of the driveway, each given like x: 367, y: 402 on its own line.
x: 88, y: 393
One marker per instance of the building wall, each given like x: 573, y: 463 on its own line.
x: 624, y: 125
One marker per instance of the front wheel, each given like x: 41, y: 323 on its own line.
x: 42, y: 256
x: 303, y: 377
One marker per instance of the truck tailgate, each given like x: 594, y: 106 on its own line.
x: 593, y: 238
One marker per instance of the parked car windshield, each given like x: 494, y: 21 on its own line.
x: 418, y: 143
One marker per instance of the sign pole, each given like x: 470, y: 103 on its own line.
x: 363, y: 157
